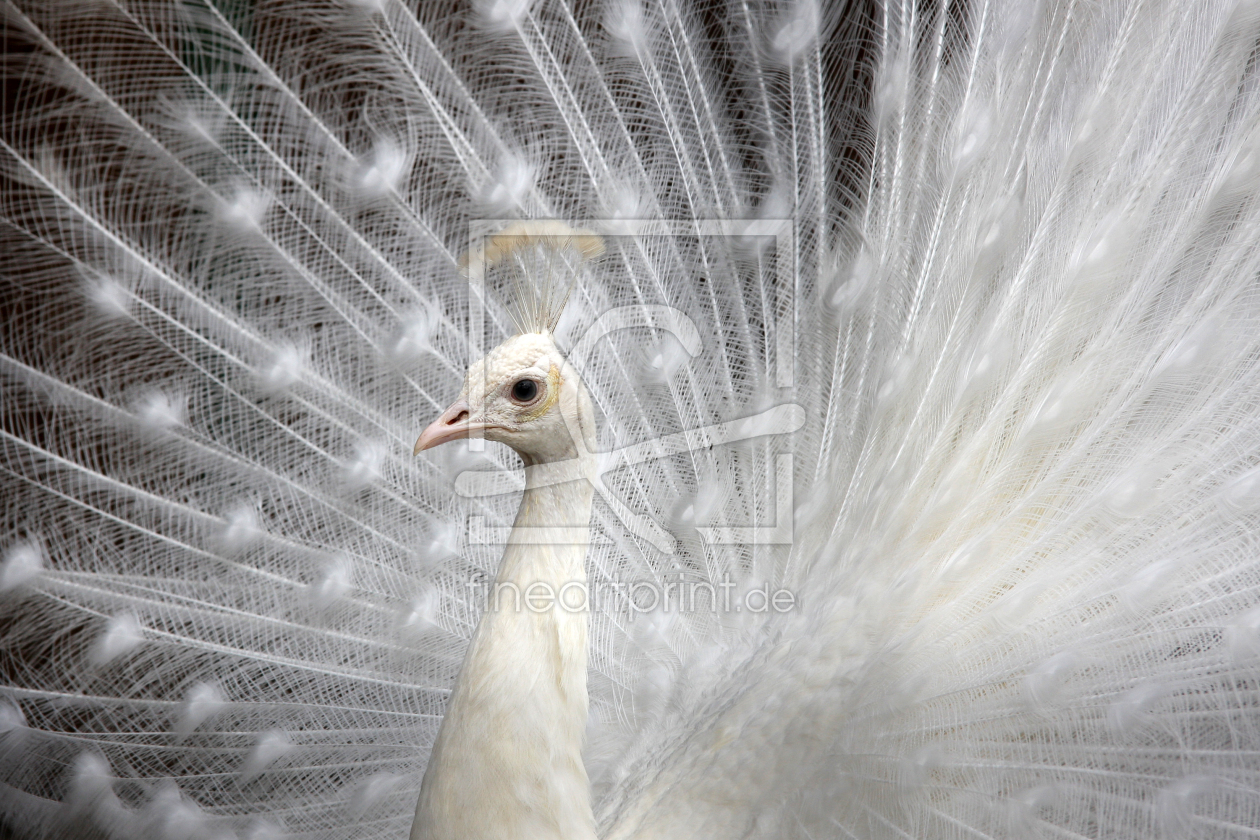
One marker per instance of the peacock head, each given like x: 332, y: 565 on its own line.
x: 524, y: 393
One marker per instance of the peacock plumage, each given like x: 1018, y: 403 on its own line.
x: 924, y: 353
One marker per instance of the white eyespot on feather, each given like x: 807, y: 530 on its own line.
x: 443, y: 541
x: 335, y: 581
x: 245, y: 210
x: 796, y: 32
x: 109, y: 297
x: 260, y: 829
x: 366, y: 6
x: 973, y: 129
x: 23, y: 563
x: 698, y: 509
x: 624, y: 202
x: 973, y: 553
x: 1013, y: 22
x: 91, y: 770
x: 1027, y: 806
x: 1193, y: 352
x: 892, y: 87
x: 421, y: 615
x: 1150, y: 584
x: 364, y: 467
x: 1131, y: 710
x: 897, y: 379
x: 1174, y: 805
x: 1242, y: 636
x: 999, y: 230
x: 91, y: 791
x: 511, y: 184
x: 1044, y: 686
x: 123, y: 634
x: 240, y: 529
x: 1067, y: 401
x: 1100, y: 256
x: 1097, y: 120
x: 202, y: 702
x: 269, y: 747
x: 1012, y: 610
x: 849, y: 286
x: 987, y: 365
x: 11, y: 718
x: 917, y: 768
x: 382, y: 172
x: 198, y: 122
x: 1038, y: 798
x: 169, y: 815
x: 1242, y: 493
x: 283, y: 370
x: 626, y: 27
x: 413, y: 338
x: 369, y: 794
x: 653, y: 629
x: 663, y: 360
x: 159, y: 411
x: 503, y: 15
x: 1134, y: 491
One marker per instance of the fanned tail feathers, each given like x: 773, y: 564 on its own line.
x: 940, y: 319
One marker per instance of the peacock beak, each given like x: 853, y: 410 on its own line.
x: 452, y: 425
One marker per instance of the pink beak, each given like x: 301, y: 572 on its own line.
x: 452, y: 425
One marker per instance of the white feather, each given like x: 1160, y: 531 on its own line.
x: 1001, y: 279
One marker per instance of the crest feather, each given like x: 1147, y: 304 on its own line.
x: 543, y: 257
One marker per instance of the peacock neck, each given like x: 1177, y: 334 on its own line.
x: 508, y: 758
x: 550, y: 536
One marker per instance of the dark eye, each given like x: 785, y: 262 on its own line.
x: 525, y: 390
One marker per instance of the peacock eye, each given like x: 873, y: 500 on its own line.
x: 525, y: 391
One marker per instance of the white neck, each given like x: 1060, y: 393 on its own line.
x: 507, y: 764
